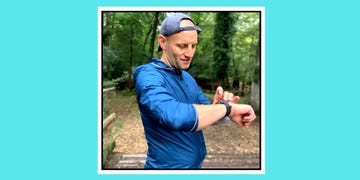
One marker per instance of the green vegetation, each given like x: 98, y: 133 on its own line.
x: 119, y: 124
x: 228, y: 52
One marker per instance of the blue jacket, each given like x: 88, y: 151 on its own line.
x: 165, y: 97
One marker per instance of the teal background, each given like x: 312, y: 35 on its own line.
x: 48, y: 73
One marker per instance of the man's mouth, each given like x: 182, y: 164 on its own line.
x: 185, y: 60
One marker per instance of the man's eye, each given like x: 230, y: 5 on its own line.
x: 182, y: 46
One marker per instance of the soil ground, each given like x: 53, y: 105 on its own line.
x: 225, y: 139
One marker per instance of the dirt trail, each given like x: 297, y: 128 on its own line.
x: 224, y: 139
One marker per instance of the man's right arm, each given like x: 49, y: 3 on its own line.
x: 241, y: 114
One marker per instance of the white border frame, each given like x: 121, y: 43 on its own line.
x: 262, y: 90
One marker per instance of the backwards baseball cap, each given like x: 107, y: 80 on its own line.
x: 171, y: 25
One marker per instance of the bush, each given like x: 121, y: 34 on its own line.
x: 114, y: 82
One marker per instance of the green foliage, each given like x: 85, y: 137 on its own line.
x: 246, y: 44
x: 123, y: 43
x: 106, y: 108
x: 201, y: 66
x: 127, y: 92
x: 228, y: 48
x: 119, y: 123
x: 113, y: 63
x: 223, y: 33
x: 114, y: 82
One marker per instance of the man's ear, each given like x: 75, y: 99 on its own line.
x: 162, y: 41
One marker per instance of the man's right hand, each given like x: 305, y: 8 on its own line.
x: 242, y: 114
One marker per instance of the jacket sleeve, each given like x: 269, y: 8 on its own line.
x: 155, y: 101
x: 202, y: 99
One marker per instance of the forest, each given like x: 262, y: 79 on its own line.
x: 228, y: 52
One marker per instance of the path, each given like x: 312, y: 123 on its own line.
x: 228, y: 146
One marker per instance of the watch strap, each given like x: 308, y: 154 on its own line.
x: 228, y: 107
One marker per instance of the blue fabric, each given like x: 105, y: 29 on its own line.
x: 166, y: 96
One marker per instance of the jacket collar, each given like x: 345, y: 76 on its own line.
x: 159, y: 64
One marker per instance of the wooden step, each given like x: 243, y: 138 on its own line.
x: 212, y: 161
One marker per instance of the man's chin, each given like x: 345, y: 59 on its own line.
x: 185, y: 67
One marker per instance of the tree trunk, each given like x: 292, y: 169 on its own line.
x: 255, y: 85
x: 254, y: 96
x: 153, y: 34
x: 131, y: 56
x: 236, y: 77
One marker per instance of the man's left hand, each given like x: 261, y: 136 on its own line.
x: 227, y: 96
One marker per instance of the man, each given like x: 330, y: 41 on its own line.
x: 173, y: 108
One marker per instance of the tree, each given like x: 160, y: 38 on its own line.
x: 123, y: 48
x: 227, y: 50
x: 223, y: 33
x: 202, y: 64
x: 246, y: 61
x: 152, y: 33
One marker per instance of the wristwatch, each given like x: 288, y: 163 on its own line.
x: 228, y: 107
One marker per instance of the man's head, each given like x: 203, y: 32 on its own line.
x: 178, y: 40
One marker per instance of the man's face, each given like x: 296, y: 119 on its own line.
x: 180, y: 48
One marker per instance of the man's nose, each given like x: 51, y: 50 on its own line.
x: 189, y: 52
